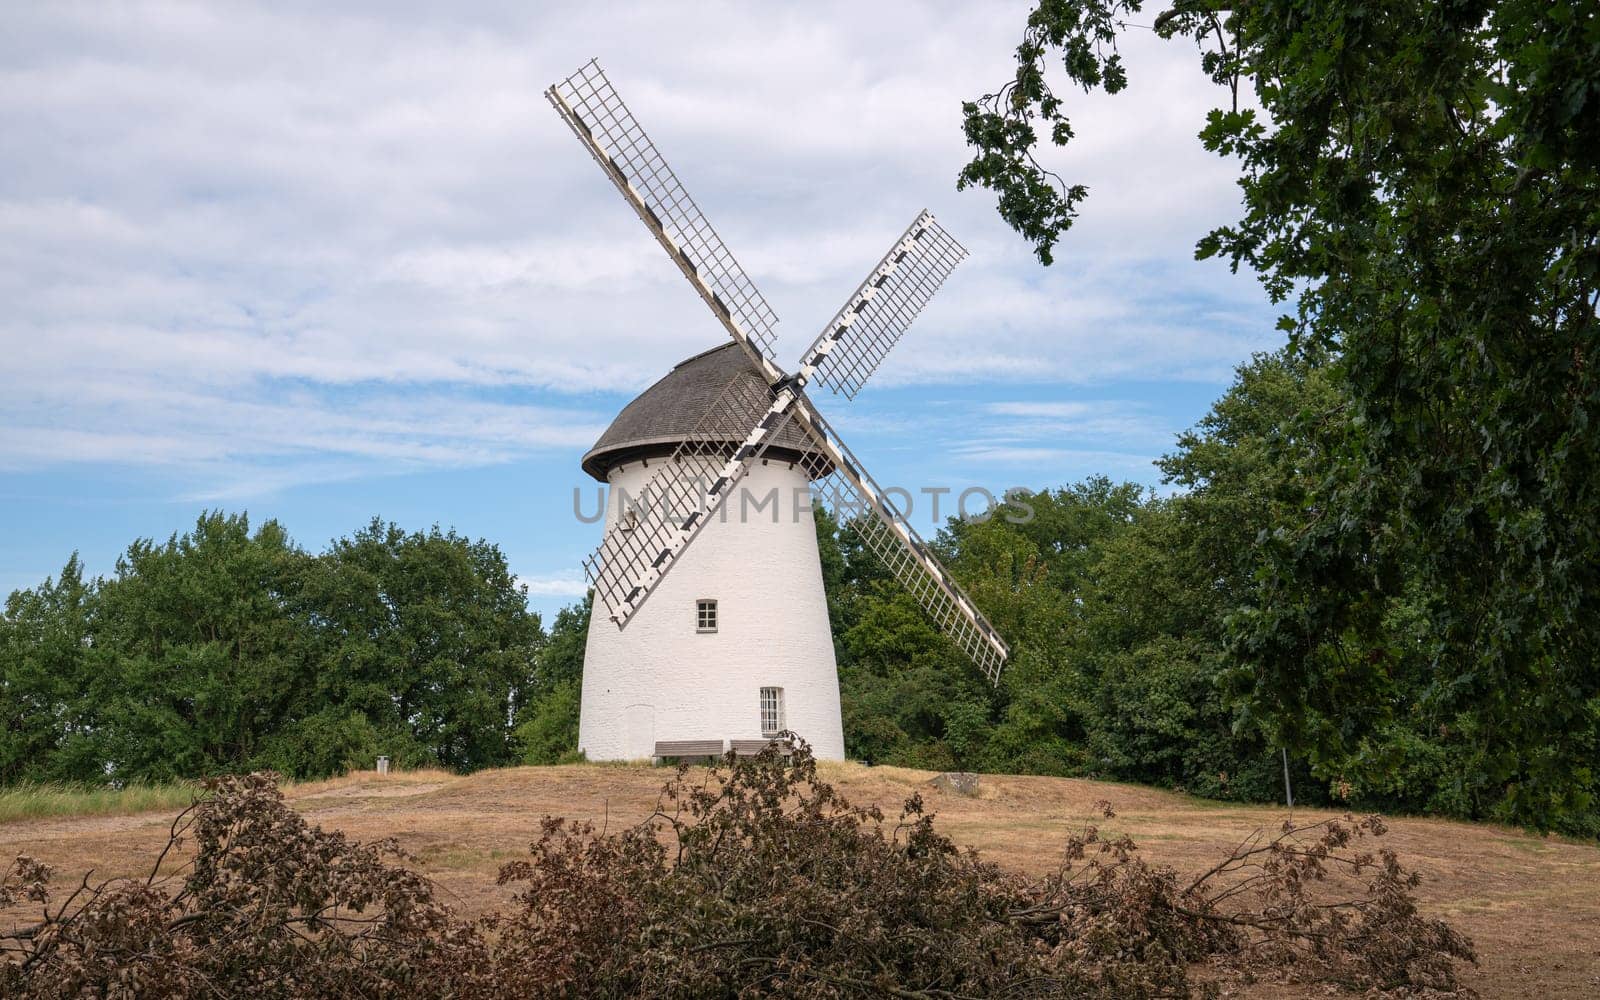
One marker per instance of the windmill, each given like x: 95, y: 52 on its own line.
x: 736, y: 641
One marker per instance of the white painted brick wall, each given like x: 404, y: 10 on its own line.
x: 659, y: 679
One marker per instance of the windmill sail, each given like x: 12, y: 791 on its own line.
x: 845, y: 488
x: 589, y: 104
x: 858, y: 338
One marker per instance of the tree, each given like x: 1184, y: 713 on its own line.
x: 195, y: 657
x: 1249, y: 466
x: 427, y: 635
x: 1028, y: 575
x: 46, y: 726
x: 225, y: 649
x: 1424, y: 180
x: 547, y: 727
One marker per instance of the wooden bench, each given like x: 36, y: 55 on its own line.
x: 749, y: 748
x: 688, y: 748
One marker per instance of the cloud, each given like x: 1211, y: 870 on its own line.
x: 1121, y: 421
x: 281, y: 244
x: 281, y: 434
x: 557, y: 585
x: 1055, y: 409
x: 1011, y: 455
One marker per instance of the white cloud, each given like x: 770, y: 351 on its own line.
x: 1120, y: 421
x: 289, y: 245
x: 1058, y: 409
x: 1014, y: 455
x: 556, y: 585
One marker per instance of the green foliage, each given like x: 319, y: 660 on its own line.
x: 1116, y: 604
x: 452, y: 650
x: 1448, y: 240
x: 45, y: 724
x: 549, y: 732
x: 193, y: 650
x: 547, y: 723
x: 1001, y: 126
x: 331, y: 741
x: 224, y: 649
x: 1424, y: 181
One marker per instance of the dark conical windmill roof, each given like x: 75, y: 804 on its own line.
x: 664, y: 414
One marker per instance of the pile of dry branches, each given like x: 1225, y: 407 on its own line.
x: 750, y: 879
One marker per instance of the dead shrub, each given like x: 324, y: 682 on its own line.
x: 752, y: 878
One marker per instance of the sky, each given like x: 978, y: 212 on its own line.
x: 322, y: 263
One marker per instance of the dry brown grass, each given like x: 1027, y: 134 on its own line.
x: 1531, y: 903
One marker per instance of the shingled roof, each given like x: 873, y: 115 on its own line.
x: 655, y: 422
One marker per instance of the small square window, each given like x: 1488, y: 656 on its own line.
x: 771, y: 711
x: 705, y: 615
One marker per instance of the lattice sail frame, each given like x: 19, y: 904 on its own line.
x: 858, y: 338
x: 845, y: 488
x: 590, y: 106
x: 633, y: 558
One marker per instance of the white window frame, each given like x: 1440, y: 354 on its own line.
x: 705, y: 615
x: 772, y: 720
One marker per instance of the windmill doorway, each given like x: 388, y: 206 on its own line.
x: 639, y: 731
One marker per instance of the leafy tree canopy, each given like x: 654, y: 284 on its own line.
x: 1422, y: 181
x: 226, y: 648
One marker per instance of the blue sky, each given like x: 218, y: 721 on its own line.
x: 325, y: 266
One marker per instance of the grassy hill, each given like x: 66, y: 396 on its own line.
x: 1531, y: 903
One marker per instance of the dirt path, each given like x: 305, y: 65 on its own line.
x: 1532, y: 904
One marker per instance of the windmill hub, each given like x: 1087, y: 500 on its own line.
x: 658, y: 422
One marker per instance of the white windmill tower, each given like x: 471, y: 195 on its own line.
x: 728, y: 451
